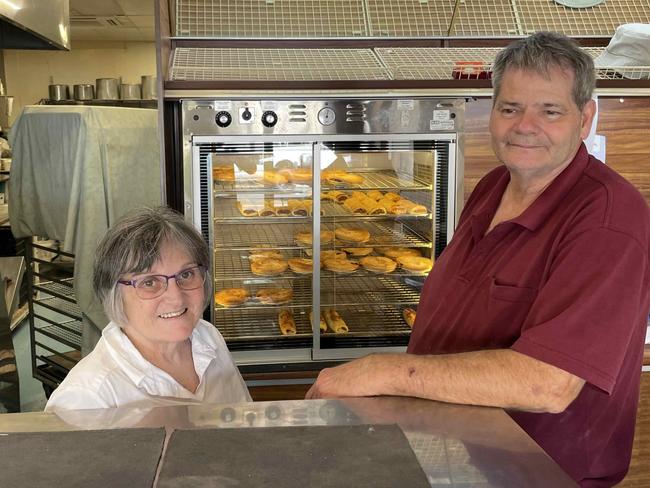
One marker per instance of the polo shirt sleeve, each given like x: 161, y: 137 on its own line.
x: 586, y: 312
x: 75, y: 398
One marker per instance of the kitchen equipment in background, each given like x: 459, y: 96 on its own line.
x: 107, y: 89
x: 59, y: 92
x: 149, y: 91
x: 130, y: 91
x: 6, y: 106
x: 84, y: 91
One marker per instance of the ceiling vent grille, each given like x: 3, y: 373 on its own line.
x: 116, y: 21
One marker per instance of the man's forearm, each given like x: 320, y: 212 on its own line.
x: 501, y: 378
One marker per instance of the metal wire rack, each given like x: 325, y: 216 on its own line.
x: 423, y: 63
x: 602, y: 19
x: 304, y: 19
x: 270, y: 18
x: 68, y: 332
x: 252, y: 234
x: 237, y: 324
x: 197, y: 64
x: 374, y: 179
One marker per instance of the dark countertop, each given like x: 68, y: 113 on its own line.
x: 456, y: 445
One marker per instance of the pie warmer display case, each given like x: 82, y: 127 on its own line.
x: 332, y: 209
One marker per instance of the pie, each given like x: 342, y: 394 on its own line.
x: 231, y: 297
x: 274, y: 296
x: 378, y: 264
x: 358, y: 251
x: 268, y: 266
x: 301, y: 265
x: 338, y: 265
x: 274, y: 178
x: 351, y: 234
x: 415, y: 264
x: 395, y: 252
x: 266, y: 254
x: 306, y: 238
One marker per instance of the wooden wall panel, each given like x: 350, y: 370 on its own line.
x: 624, y: 122
x: 639, y: 474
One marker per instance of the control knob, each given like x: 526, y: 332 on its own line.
x: 223, y: 119
x: 269, y: 118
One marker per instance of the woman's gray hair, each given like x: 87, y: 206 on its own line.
x: 542, y: 51
x: 133, y: 245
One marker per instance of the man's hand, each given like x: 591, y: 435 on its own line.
x: 354, y: 379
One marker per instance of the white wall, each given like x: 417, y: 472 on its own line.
x: 28, y: 73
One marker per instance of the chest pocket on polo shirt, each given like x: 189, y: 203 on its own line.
x: 509, y: 305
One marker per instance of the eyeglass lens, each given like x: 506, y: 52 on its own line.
x: 154, y: 285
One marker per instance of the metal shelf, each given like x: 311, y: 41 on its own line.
x: 61, y: 306
x: 62, y: 289
x: 68, y: 333
x: 226, y: 212
x: 252, y: 234
x: 238, y: 324
x: 374, y: 180
x: 360, y: 288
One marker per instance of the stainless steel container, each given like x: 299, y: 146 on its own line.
x: 107, y: 89
x: 130, y: 92
x: 149, y: 91
x: 84, y: 91
x: 59, y: 92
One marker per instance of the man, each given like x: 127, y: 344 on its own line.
x: 539, y: 303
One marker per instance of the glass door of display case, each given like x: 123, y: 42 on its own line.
x: 384, y: 212
x: 261, y: 234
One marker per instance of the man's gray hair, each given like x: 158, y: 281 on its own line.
x: 542, y: 51
x: 133, y: 245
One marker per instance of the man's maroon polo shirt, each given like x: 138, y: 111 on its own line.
x: 566, y: 282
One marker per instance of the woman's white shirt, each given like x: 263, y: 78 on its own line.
x: 115, y: 374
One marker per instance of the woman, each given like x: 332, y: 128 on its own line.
x: 151, y: 275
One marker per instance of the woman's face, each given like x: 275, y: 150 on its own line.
x: 169, y: 318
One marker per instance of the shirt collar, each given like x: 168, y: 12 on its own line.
x: 138, y: 369
x: 539, y: 210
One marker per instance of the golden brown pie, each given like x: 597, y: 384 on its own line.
x: 340, y: 265
x: 415, y: 264
x: 358, y: 251
x: 395, y: 252
x: 231, y: 297
x: 378, y: 264
x: 268, y: 266
x: 350, y: 234
x: 306, y: 238
x: 301, y: 265
x: 274, y: 296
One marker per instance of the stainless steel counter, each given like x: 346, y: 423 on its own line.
x: 456, y: 445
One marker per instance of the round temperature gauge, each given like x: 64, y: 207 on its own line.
x: 326, y: 116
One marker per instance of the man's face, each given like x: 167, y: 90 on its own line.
x: 535, y: 126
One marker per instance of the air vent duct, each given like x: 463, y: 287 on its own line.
x: 34, y: 24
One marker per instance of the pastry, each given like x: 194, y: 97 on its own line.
x: 409, y: 316
x: 332, y: 254
x: 378, y: 264
x: 282, y: 211
x: 350, y: 234
x: 400, y: 207
x: 268, y: 210
x: 274, y: 296
x: 264, y: 254
x: 395, y: 252
x: 231, y: 297
x: 415, y: 264
x: 338, y: 265
x: 247, y: 209
x: 338, y: 177
x: 391, y: 196
x: 338, y: 196
x: 322, y: 325
x: 375, y: 209
x: 274, y: 178
x: 306, y: 238
x: 355, y: 206
x: 268, y: 267
x: 301, y: 265
x: 300, y: 175
x: 286, y: 323
x: 358, y: 251
x: 376, y: 195
x: 335, y: 322
x: 223, y: 173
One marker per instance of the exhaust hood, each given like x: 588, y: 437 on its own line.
x: 35, y: 24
